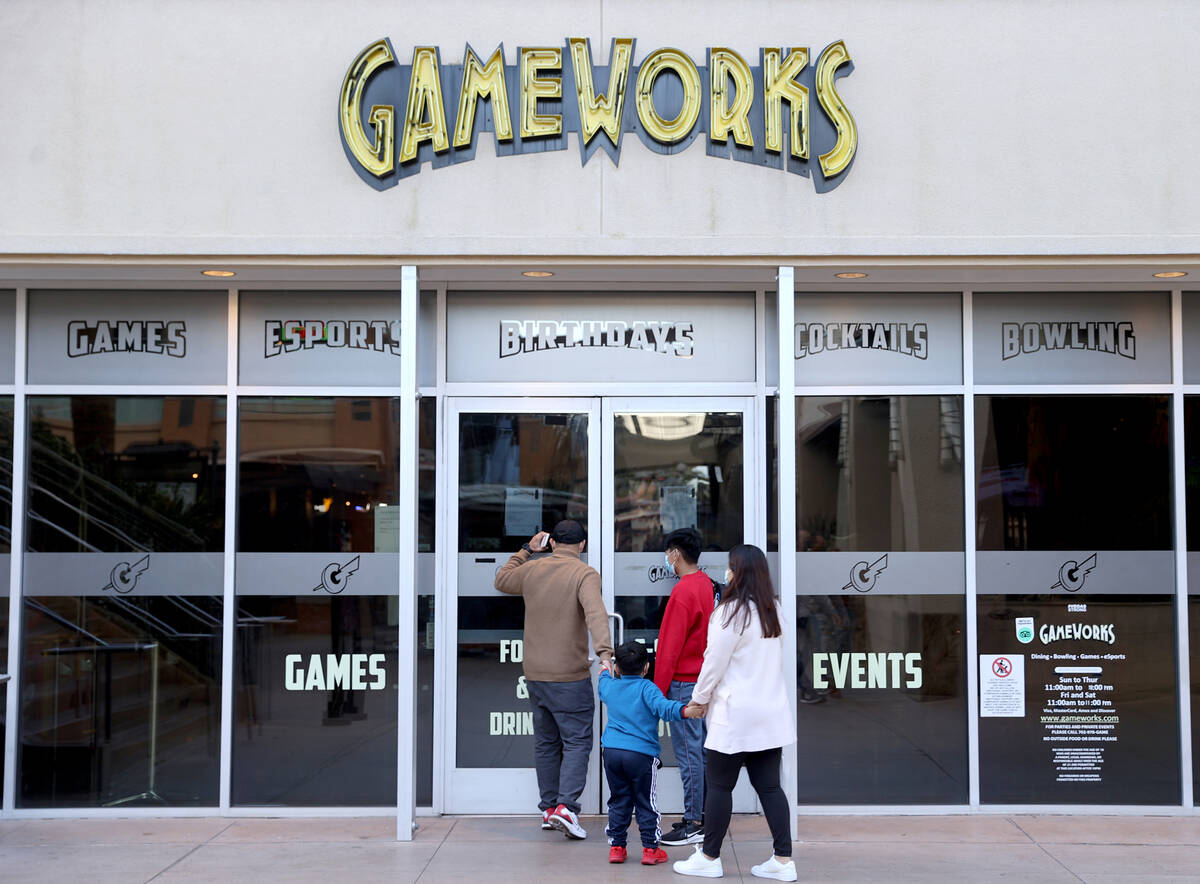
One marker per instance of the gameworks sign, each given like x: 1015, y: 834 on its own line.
x: 396, y: 117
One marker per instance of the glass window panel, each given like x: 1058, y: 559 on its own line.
x: 1076, y: 581
x: 6, y: 452
x: 120, y: 701
x: 672, y: 470
x: 1049, y: 466
x: 1094, y: 730
x: 1191, y: 444
x: 317, y: 576
x: 518, y: 474
x: 678, y: 470
x: 426, y: 588
x: 772, y: 443
x: 315, y: 701
x: 123, y: 473
x: 120, y: 696
x: 879, y: 473
x: 314, y: 473
x: 883, y: 713
x: 879, y: 613
x: 500, y: 454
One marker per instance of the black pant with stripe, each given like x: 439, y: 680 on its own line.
x: 632, y: 785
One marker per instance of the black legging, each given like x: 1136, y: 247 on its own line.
x: 722, y: 771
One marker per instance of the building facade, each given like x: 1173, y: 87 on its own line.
x: 307, y: 324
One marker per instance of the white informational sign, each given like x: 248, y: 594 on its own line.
x: 677, y: 507
x: 387, y: 528
x: 1001, y: 685
x: 522, y: 511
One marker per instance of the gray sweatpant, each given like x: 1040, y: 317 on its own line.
x: 562, y: 739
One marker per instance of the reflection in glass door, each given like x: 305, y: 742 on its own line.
x: 519, y: 466
x: 675, y: 463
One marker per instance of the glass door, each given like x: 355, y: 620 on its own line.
x: 674, y: 463
x: 516, y: 467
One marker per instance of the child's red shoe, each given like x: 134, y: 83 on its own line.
x: 651, y: 856
x: 617, y: 854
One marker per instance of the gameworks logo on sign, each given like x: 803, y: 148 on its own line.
x: 334, y: 577
x: 786, y: 113
x: 124, y: 577
x: 1072, y: 575
x: 863, y: 574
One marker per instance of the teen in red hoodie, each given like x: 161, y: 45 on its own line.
x: 677, y: 661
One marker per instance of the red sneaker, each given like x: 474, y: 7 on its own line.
x: 616, y: 854
x: 652, y: 856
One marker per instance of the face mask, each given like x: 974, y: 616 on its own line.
x: 728, y: 576
x: 667, y: 559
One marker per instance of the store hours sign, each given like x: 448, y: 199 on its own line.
x: 784, y: 113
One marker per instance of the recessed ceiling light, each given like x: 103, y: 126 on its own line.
x: 1170, y: 274
x: 537, y: 274
x: 850, y: 275
x: 221, y: 273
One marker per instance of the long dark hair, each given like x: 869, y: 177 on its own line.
x: 750, y: 585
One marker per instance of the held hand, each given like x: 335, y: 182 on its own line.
x: 540, y: 541
x: 695, y: 710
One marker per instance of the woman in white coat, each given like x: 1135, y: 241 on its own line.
x: 749, y: 716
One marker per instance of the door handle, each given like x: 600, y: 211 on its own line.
x: 620, y: 627
x: 4, y: 677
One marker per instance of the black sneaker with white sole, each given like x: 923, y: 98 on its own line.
x: 683, y: 832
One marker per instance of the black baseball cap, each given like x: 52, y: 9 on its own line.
x: 568, y: 531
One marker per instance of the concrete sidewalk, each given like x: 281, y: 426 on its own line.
x: 892, y: 849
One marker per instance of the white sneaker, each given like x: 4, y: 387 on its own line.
x: 774, y: 869
x: 546, y: 819
x: 567, y: 822
x: 700, y: 866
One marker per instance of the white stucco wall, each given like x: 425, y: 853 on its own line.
x: 987, y: 127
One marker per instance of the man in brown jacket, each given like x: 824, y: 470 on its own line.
x: 563, y: 604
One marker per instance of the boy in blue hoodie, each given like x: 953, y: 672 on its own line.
x: 630, y: 750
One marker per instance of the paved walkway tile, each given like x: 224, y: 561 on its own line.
x: 1146, y: 862
x: 975, y: 829
x: 323, y: 863
x: 129, y: 830
x: 90, y: 863
x: 266, y: 831
x: 1051, y: 829
x: 854, y: 863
